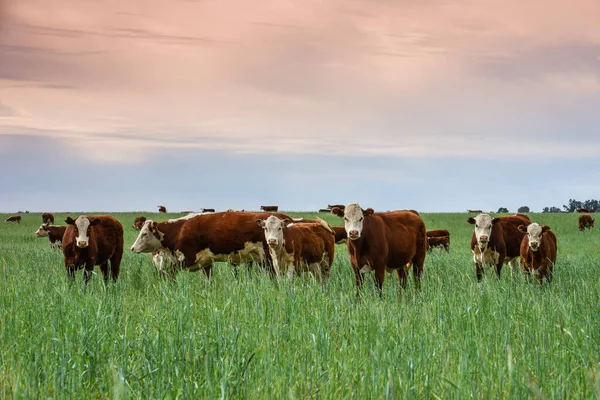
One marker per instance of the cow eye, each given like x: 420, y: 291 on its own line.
x: 476, y: 226
x: 360, y: 220
x: 345, y: 219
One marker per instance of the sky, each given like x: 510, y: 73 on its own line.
x: 433, y: 105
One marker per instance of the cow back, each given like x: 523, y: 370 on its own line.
x: 512, y: 236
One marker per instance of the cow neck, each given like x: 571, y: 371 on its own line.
x: 535, y: 255
x: 170, y: 231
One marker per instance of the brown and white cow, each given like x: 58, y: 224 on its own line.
x: 139, y: 222
x: 442, y: 242
x: 496, y: 241
x: 340, y: 234
x: 384, y: 241
x: 585, y: 221
x: 438, y: 232
x: 584, y: 210
x: 538, y: 251
x: 14, y: 218
x: 53, y: 232
x: 47, y: 218
x: 162, y: 209
x: 299, y: 247
x: 90, y: 241
x: 332, y: 206
x: 269, y: 208
x: 195, y: 243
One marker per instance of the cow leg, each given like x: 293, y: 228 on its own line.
x: 207, y: 271
x: 479, y: 271
x: 402, y: 278
x: 379, y: 278
x: 499, y: 268
x: 88, y: 270
x: 359, y: 280
x: 70, y: 272
x: 104, y: 269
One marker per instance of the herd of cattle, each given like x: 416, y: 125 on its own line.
x: 376, y: 241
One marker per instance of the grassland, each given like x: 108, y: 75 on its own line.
x: 252, y: 338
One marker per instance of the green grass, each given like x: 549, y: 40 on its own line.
x: 252, y: 338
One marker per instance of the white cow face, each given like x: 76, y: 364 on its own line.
x: 534, y: 234
x: 83, y: 226
x: 273, y: 227
x: 42, y: 231
x: 483, y: 228
x: 149, y: 238
x: 353, y: 219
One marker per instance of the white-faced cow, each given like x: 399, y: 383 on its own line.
x: 90, y: 241
x: 538, y: 251
x: 394, y: 240
x: 496, y: 241
x: 53, y: 232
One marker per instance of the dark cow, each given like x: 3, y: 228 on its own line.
x: 55, y: 234
x: 47, y: 218
x: 269, y: 208
x: 14, y: 218
x: 585, y: 221
x: 584, y: 210
x: 324, y: 210
x: 207, y: 210
x: 296, y: 248
x: 438, y: 242
x: 139, y: 222
x: 90, y: 241
x: 438, y: 232
x: 475, y: 211
x: 195, y: 242
x: 340, y: 234
x: 383, y: 241
x: 162, y: 209
x: 496, y: 241
x: 538, y: 251
x: 332, y: 206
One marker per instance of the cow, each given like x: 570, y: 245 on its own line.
x: 54, y: 232
x: 538, y: 251
x: 208, y: 210
x: 384, y: 241
x: 269, y: 208
x: 332, y: 206
x: 296, y: 248
x: 14, y: 218
x: 496, y: 241
x: 584, y: 210
x: 47, y: 218
x: 139, y: 222
x: 475, y: 211
x: 90, y: 241
x: 324, y: 210
x: 438, y: 232
x: 438, y: 241
x: 162, y: 209
x: 585, y: 221
x: 195, y: 243
x: 340, y: 234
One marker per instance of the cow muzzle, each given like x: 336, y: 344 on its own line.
x: 82, y: 244
x: 534, y: 246
x: 272, y: 242
x: 353, y: 235
x: 483, y: 242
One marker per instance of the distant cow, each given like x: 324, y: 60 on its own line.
x: 538, y: 251
x: 438, y: 232
x: 207, y: 210
x: 340, y: 234
x: 139, y: 222
x: 53, y: 232
x: 296, y: 248
x: 90, y: 241
x: 384, y: 241
x: 195, y: 243
x: 474, y: 211
x: 324, y: 210
x: 585, y: 221
x: 496, y: 241
x: 584, y: 210
x: 14, y: 218
x: 438, y: 242
x: 47, y: 218
x: 332, y: 206
x: 162, y: 209
x: 269, y: 208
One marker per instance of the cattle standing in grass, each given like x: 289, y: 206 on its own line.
x: 438, y: 232
x: 585, y: 221
x: 195, y: 243
x: 47, y: 218
x: 296, y: 248
x: 324, y: 210
x: 269, y: 208
x: 496, y: 241
x: 162, y: 209
x: 90, y: 241
x: 340, y: 234
x: 332, y: 206
x: 139, y: 222
x: 384, y: 241
x: 475, y: 211
x: 14, y: 218
x: 55, y: 234
x: 538, y: 251
x: 208, y: 210
x: 584, y: 210
x: 438, y: 242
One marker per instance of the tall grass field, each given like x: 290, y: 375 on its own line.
x: 253, y: 337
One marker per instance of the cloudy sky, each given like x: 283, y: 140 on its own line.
x: 436, y: 105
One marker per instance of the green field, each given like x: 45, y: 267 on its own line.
x: 251, y: 337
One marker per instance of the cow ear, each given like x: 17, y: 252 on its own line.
x: 287, y: 222
x: 522, y: 228
x: 337, y: 211
x: 495, y: 220
x: 94, y: 221
x: 545, y: 228
x: 368, y: 212
x: 471, y: 220
x: 260, y: 222
x: 70, y: 221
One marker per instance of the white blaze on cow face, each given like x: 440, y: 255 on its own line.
x: 273, y: 227
x: 353, y: 220
x: 534, y: 236
x: 83, y: 239
x: 42, y: 231
x: 483, y: 229
x: 149, y: 239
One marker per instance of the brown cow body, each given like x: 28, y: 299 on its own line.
x: 269, y: 208
x: 14, y: 218
x: 584, y: 210
x: 104, y: 246
x: 139, y: 222
x: 55, y: 234
x: 438, y: 232
x: 538, y: 258
x: 332, y: 206
x: 438, y: 242
x: 585, y: 221
x: 383, y: 242
x: 340, y: 234
x: 47, y: 218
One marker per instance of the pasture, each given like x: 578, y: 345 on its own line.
x: 251, y: 337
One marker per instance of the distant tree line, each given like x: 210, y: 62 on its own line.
x: 574, y: 205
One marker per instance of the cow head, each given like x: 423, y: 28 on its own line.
x: 273, y: 227
x: 483, y: 228
x: 42, y: 231
x: 83, y: 226
x: 534, y: 234
x: 353, y: 219
x: 149, y: 239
